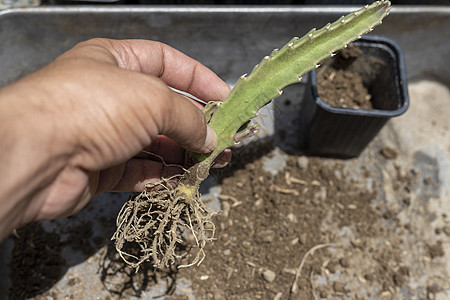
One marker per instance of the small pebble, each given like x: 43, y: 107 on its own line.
x: 352, y: 206
x: 389, y: 153
x: 302, y: 163
x: 344, y: 262
x: 407, y: 201
x: 277, y: 296
x: 266, y: 236
x: 332, y: 267
x: 303, y: 238
x: 269, y: 275
x: 358, y: 243
x: 246, y: 244
x: 226, y: 209
x: 436, y: 250
x: 292, y: 218
x: 400, y: 277
x: 259, y: 202
x: 339, y: 287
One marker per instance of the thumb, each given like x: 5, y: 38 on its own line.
x: 185, y: 123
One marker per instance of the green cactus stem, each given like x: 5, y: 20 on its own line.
x: 280, y: 69
x: 154, y: 220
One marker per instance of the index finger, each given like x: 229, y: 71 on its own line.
x: 172, y: 66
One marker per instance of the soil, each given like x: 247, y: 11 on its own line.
x: 341, y: 87
x: 270, y: 222
x: 267, y: 225
x: 37, y: 257
x: 362, y: 215
x: 36, y: 261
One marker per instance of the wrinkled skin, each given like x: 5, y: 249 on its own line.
x: 76, y: 128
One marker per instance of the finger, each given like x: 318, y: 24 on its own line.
x: 107, y: 179
x: 223, y: 159
x: 163, y: 149
x: 140, y: 173
x: 180, y: 120
x: 173, y: 67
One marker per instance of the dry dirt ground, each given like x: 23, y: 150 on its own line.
x: 379, y: 224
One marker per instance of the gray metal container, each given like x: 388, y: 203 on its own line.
x: 229, y: 40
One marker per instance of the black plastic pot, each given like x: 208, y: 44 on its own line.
x: 345, y: 132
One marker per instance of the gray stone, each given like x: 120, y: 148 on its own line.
x: 266, y: 236
x: 269, y: 275
x: 302, y: 163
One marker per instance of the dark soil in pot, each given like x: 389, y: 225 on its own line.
x: 341, y: 87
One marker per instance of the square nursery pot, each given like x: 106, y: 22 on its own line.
x: 344, y: 132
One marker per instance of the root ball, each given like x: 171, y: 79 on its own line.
x: 152, y: 226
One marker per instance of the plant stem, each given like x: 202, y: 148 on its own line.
x: 282, y: 68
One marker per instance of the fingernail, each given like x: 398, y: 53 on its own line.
x: 211, y: 139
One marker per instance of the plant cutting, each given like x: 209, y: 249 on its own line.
x: 152, y: 224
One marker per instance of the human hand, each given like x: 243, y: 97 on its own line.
x: 75, y: 128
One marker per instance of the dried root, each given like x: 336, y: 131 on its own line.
x: 158, y: 221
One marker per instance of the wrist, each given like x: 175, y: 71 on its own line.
x: 29, y: 155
